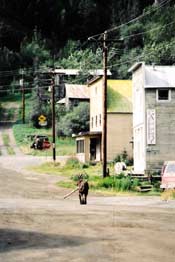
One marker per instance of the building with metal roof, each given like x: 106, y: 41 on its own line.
x: 119, y: 121
x: 153, y: 116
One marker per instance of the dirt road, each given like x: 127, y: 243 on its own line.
x: 36, y: 224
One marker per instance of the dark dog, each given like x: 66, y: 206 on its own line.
x: 83, y: 191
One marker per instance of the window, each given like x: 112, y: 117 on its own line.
x: 92, y: 122
x: 163, y: 94
x: 96, y: 90
x: 100, y: 119
x: 96, y: 120
x: 80, y: 146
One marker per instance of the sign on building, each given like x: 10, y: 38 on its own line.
x: 151, y: 126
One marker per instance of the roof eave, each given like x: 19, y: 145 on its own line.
x: 135, y: 66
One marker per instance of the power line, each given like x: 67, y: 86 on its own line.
x: 151, y: 30
x: 132, y: 20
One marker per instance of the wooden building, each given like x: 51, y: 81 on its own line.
x: 119, y: 121
x: 73, y: 95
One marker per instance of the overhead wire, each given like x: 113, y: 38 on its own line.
x: 132, y: 20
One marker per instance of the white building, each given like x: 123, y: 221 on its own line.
x: 153, y: 116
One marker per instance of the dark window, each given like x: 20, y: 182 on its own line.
x: 80, y: 146
x: 163, y: 94
x: 96, y: 120
x: 100, y: 119
x: 92, y: 123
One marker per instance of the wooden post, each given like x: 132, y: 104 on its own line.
x: 53, y: 119
x: 104, y: 132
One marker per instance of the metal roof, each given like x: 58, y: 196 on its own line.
x: 73, y: 72
x: 156, y: 76
x: 159, y: 76
x: 77, y: 91
x: 119, y: 94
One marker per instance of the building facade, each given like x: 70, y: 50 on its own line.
x: 153, y: 116
x: 119, y: 121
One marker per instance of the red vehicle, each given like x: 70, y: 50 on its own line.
x: 40, y: 142
x: 168, y: 175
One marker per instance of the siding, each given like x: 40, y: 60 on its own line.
x: 120, y: 134
x: 164, y: 149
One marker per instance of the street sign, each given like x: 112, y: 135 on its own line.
x: 42, y: 120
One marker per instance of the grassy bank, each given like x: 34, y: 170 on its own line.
x: 6, y: 141
x: 22, y: 133
x: 112, y: 185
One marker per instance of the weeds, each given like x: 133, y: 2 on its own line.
x: 168, y: 194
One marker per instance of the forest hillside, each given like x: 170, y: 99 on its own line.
x: 34, y: 33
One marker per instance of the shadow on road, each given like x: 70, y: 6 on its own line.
x: 17, y: 239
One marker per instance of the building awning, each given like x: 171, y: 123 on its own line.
x: 90, y: 134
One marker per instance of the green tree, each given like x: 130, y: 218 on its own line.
x: 75, y: 121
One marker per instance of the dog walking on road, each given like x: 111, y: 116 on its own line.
x: 83, y: 188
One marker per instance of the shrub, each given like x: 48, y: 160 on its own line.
x: 118, y: 183
x: 135, y: 183
x: 168, y: 194
x: 126, y: 184
x: 73, y: 162
x: 106, y: 182
x: 76, y: 177
x: 123, y: 157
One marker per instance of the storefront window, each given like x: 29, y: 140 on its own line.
x: 80, y: 146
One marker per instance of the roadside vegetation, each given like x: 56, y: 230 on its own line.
x: 113, y: 184
x: 23, y: 134
x: 6, y: 141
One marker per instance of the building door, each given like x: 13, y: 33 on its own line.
x: 93, y: 143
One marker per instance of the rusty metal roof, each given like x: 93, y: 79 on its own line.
x: 77, y: 91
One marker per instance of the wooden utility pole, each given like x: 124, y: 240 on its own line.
x: 104, y: 132
x: 23, y: 97
x: 53, y: 117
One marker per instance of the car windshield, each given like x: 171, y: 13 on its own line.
x: 170, y: 169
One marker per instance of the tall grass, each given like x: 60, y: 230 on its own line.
x: 6, y: 141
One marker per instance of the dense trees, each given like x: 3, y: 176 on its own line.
x: 75, y: 121
x: 63, y: 28
x: 61, y: 20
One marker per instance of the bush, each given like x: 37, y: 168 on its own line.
x: 123, y: 157
x: 106, y: 182
x: 135, y: 183
x: 168, y: 194
x: 73, y: 163
x: 118, y: 183
x: 75, y: 121
x: 76, y: 177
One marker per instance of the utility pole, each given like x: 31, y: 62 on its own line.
x: 23, y: 97
x: 104, y: 41
x: 104, y: 132
x: 53, y: 117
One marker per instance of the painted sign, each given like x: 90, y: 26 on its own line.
x: 151, y: 126
x: 42, y: 120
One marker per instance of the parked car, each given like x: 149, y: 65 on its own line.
x: 40, y: 142
x: 168, y: 175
